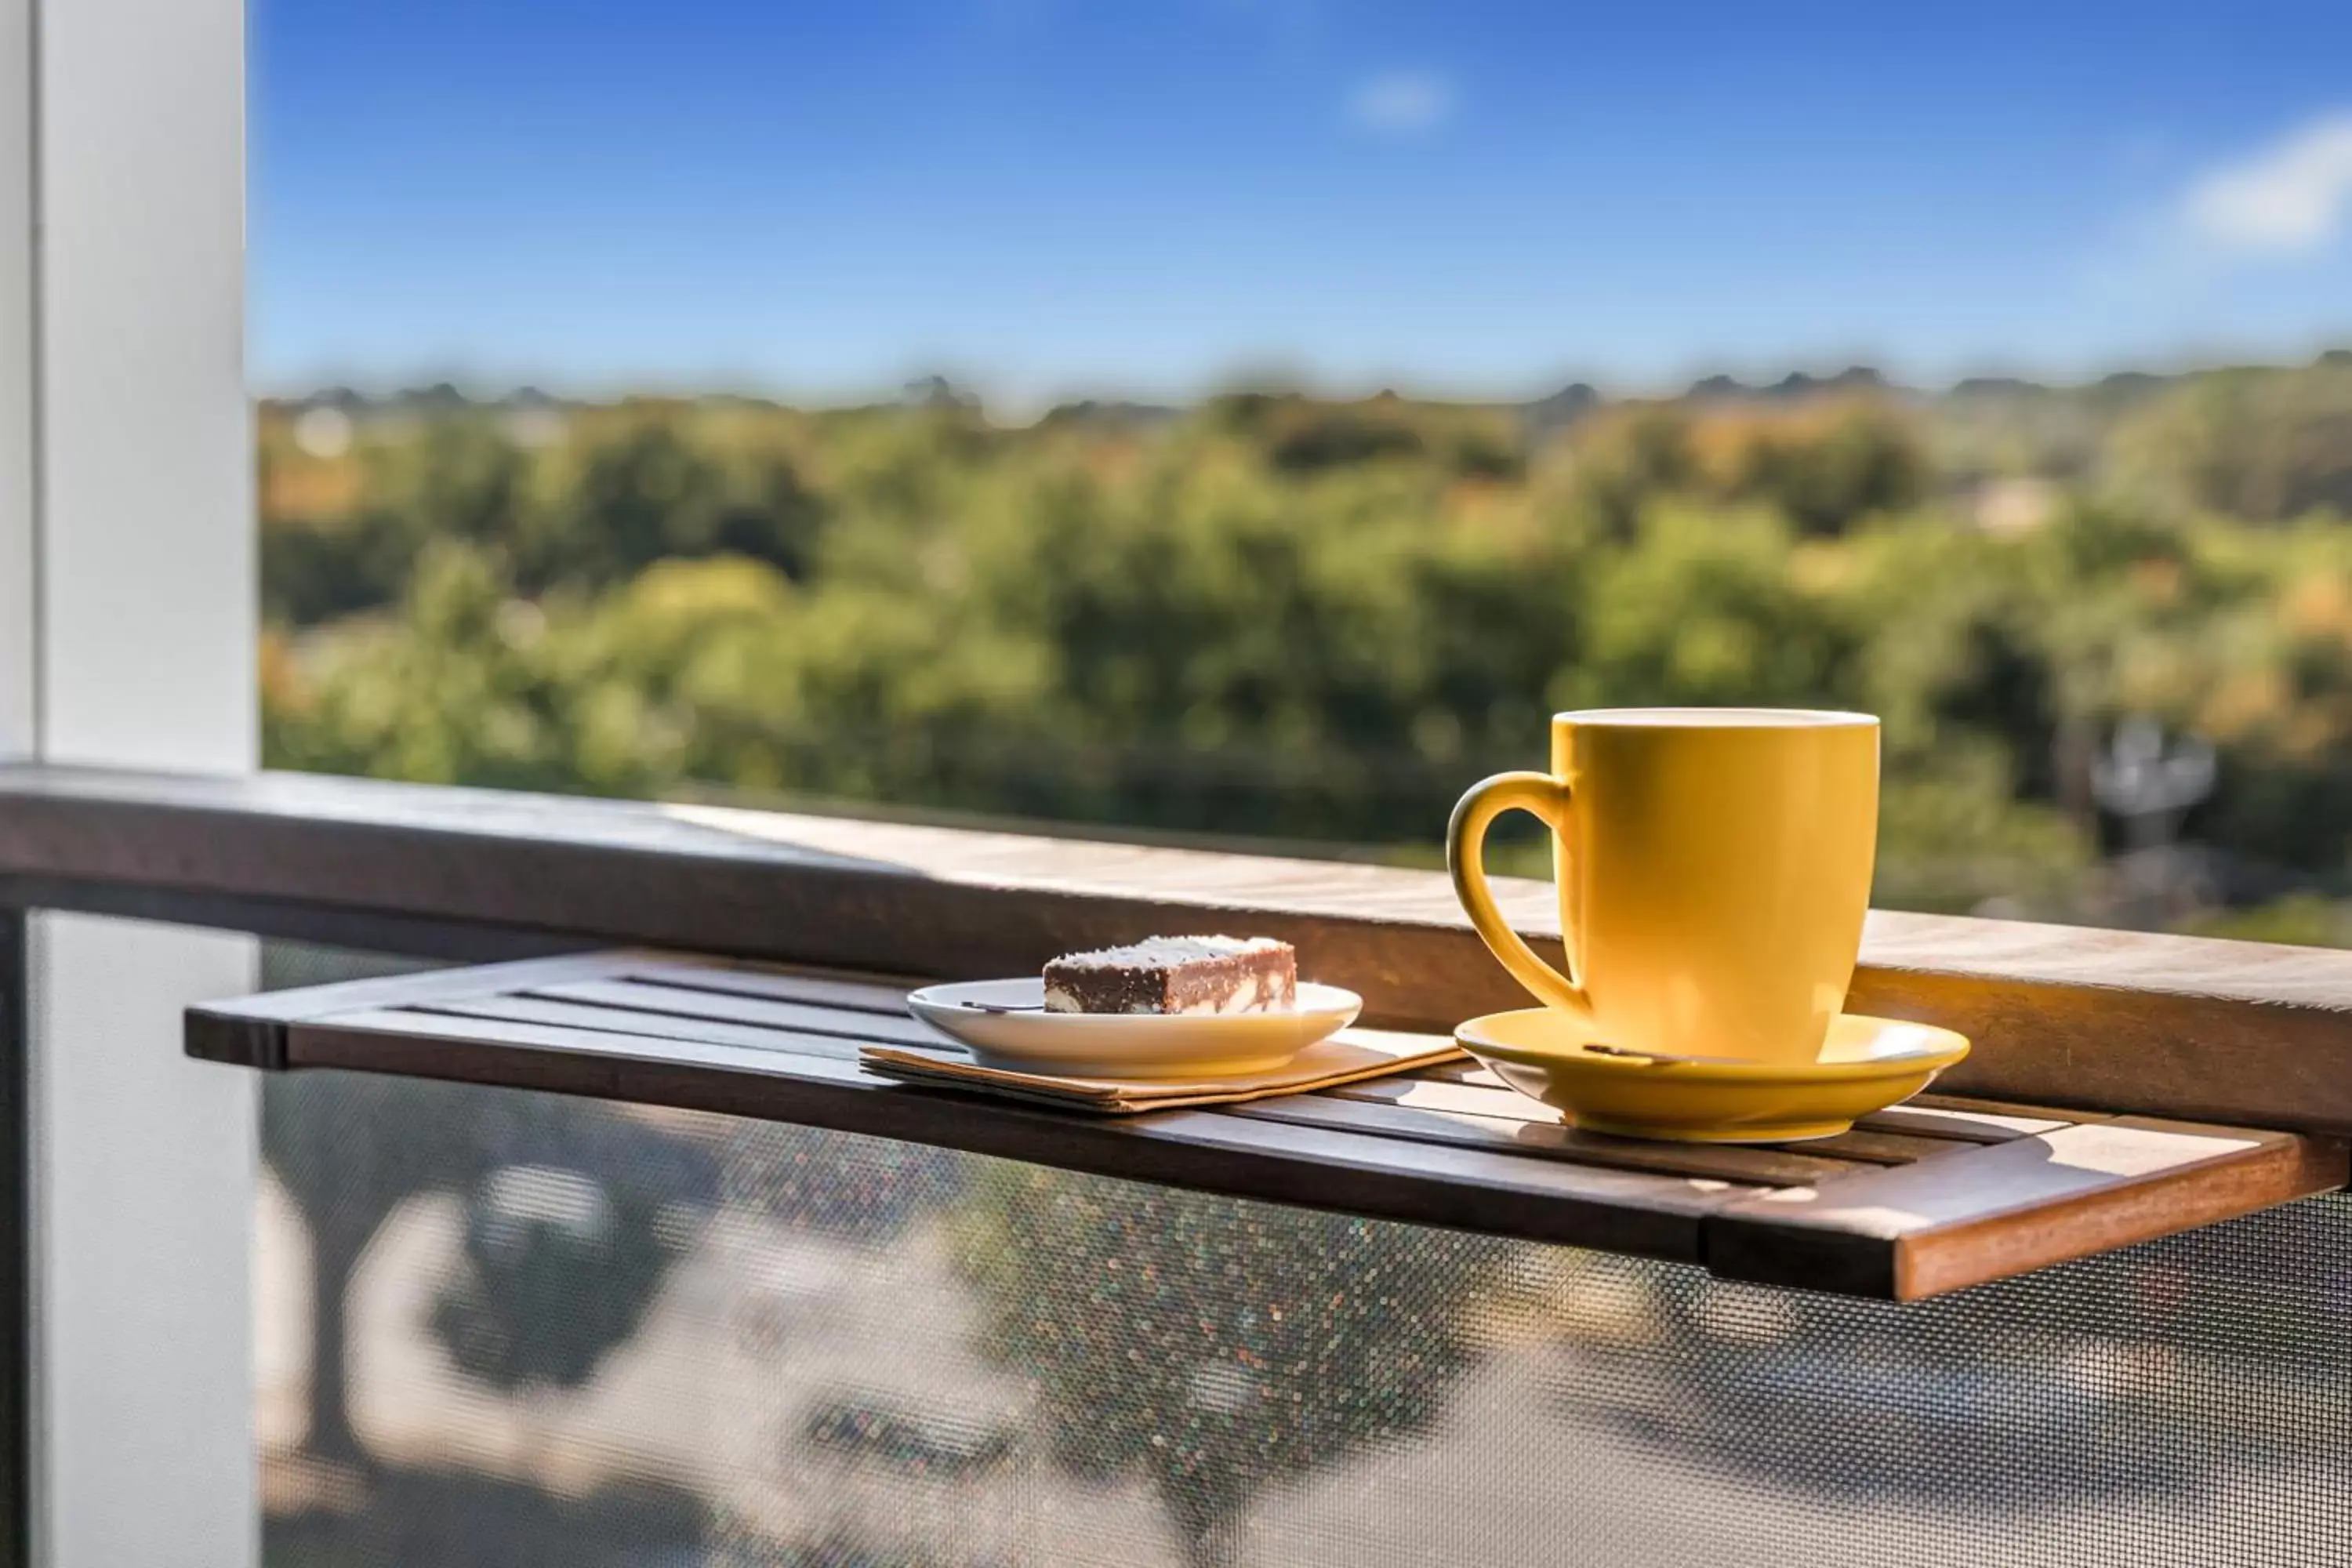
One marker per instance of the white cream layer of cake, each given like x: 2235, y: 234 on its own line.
x: 1261, y: 995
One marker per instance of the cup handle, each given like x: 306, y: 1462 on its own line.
x: 1542, y: 796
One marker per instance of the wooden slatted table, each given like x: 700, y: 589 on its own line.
x: 1927, y: 1198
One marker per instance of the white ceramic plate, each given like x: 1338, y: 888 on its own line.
x: 1127, y: 1045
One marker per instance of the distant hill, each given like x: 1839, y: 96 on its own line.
x: 2254, y: 442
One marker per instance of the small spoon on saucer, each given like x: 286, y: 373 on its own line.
x: 1598, y: 1049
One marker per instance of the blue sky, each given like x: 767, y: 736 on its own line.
x: 1149, y: 197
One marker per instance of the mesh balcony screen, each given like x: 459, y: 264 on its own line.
x: 589, y: 1335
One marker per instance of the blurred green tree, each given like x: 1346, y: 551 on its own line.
x: 1283, y: 615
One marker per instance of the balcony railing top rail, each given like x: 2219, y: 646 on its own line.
x: 2116, y: 1022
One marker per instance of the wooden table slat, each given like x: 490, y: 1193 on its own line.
x: 1967, y: 1121
x: 648, y: 1025
x: 1428, y: 1091
x: 822, y: 990
x: 1551, y: 1139
x: 2063, y: 1115
x: 1870, y: 1148
x: 637, y: 996
x: 1918, y: 1120
x: 1464, y: 1071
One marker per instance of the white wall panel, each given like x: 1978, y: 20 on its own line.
x: 126, y: 617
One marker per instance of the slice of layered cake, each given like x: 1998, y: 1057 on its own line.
x: 1177, y: 975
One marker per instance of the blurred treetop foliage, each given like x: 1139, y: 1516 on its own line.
x: 1275, y: 615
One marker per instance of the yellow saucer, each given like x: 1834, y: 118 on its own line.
x: 1866, y: 1065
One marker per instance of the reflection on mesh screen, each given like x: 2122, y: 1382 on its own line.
x: 589, y: 1336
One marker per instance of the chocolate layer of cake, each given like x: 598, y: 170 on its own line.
x: 1177, y: 975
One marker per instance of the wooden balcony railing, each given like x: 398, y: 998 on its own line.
x: 2122, y: 1085
x: 2107, y: 1021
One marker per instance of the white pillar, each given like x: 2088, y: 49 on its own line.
x: 127, y: 620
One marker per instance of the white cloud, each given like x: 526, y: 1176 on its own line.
x: 1400, y: 103
x: 2290, y: 198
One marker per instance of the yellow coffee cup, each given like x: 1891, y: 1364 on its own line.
x: 1714, y: 870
